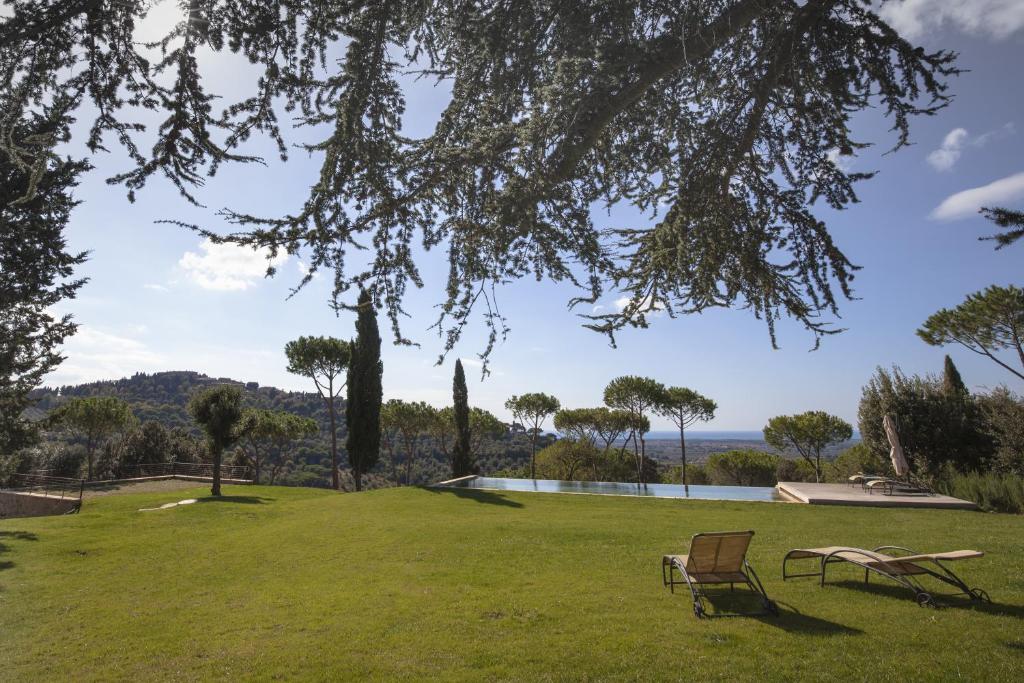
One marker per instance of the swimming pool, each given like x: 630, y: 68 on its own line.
x: 608, y: 488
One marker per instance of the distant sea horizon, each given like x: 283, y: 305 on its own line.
x: 718, y: 435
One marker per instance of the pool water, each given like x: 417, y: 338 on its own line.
x: 608, y: 488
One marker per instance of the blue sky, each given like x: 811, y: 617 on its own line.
x: 161, y: 299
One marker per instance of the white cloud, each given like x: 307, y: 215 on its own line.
x: 157, y: 288
x: 226, y: 267
x: 967, y: 202
x: 844, y: 162
x: 957, y: 140
x: 952, y: 147
x: 994, y: 18
x: 94, y: 354
x: 472, y: 362
x: 624, y: 301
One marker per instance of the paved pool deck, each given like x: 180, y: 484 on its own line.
x: 843, y: 494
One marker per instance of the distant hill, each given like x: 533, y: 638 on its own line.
x: 163, y: 397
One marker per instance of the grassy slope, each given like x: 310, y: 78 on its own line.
x: 292, y: 583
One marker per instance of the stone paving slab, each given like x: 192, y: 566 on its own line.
x: 843, y: 494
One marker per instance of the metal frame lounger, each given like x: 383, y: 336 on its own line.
x: 903, y: 569
x: 890, y: 486
x: 862, y: 479
x: 716, y: 558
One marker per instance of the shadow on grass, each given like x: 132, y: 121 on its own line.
x: 792, y: 620
x: 244, y: 500
x: 726, y: 604
x: 941, y: 599
x: 14, y: 536
x: 478, y: 495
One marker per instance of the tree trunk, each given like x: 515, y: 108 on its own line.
x: 335, y: 481
x: 358, y: 477
x: 215, y: 489
x: 682, y: 448
x: 257, y: 460
x: 533, y: 454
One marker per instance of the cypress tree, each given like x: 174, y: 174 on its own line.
x: 362, y: 410
x: 462, y: 456
x: 952, y: 384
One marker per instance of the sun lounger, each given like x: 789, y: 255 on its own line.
x: 901, y: 568
x: 863, y: 479
x: 716, y: 558
x: 890, y: 486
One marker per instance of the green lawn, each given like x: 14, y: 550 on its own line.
x: 283, y: 583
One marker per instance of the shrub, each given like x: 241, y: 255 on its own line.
x: 793, y: 470
x: 568, y: 460
x: 743, y: 468
x: 992, y: 492
x: 1004, y: 422
x: 857, y: 459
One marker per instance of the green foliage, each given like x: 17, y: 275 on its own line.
x: 35, y: 270
x: 743, y: 468
x: 986, y: 323
x: 794, y: 470
x: 365, y: 392
x: 266, y: 435
x: 324, y: 360
x: 581, y: 424
x: 218, y: 410
x: 859, y: 459
x: 567, y: 460
x: 94, y: 420
x: 685, y: 407
x: 1005, y: 218
x: 992, y: 491
x: 548, y: 115
x: 637, y: 396
x: 807, y: 434
x: 405, y: 426
x: 462, y: 451
x: 1003, y: 416
x: 934, y: 427
x: 483, y: 427
x: 531, y: 410
x: 952, y: 383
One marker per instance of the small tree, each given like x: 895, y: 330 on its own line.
x: 952, y: 383
x: 1005, y: 218
x: 745, y: 467
x: 411, y: 422
x: 365, y: 393
x: 532, y: 410
x: 95, y: 419
x: 483, y: 426
x: 807, y: 433
x: 462, y: 456
x: 685, y: 407
x: 218, y: 410
x: 986, y: 323
x: 266, y: 434
x: 324, y: 360
x: 442, y: 430
x: 635, y: 395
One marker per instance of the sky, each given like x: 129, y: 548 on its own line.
x: 161, y: 298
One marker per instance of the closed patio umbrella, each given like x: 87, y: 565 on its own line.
x: 899, y: 461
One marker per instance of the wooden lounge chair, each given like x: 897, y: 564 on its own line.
x: 902, y: 568
x: 716, y: 558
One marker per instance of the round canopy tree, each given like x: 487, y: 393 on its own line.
x: 218, y: 411
x: 685, y: 407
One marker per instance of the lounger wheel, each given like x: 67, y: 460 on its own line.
x: 925, y: 600
x: 979, y: 594
x: 698, y: 610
